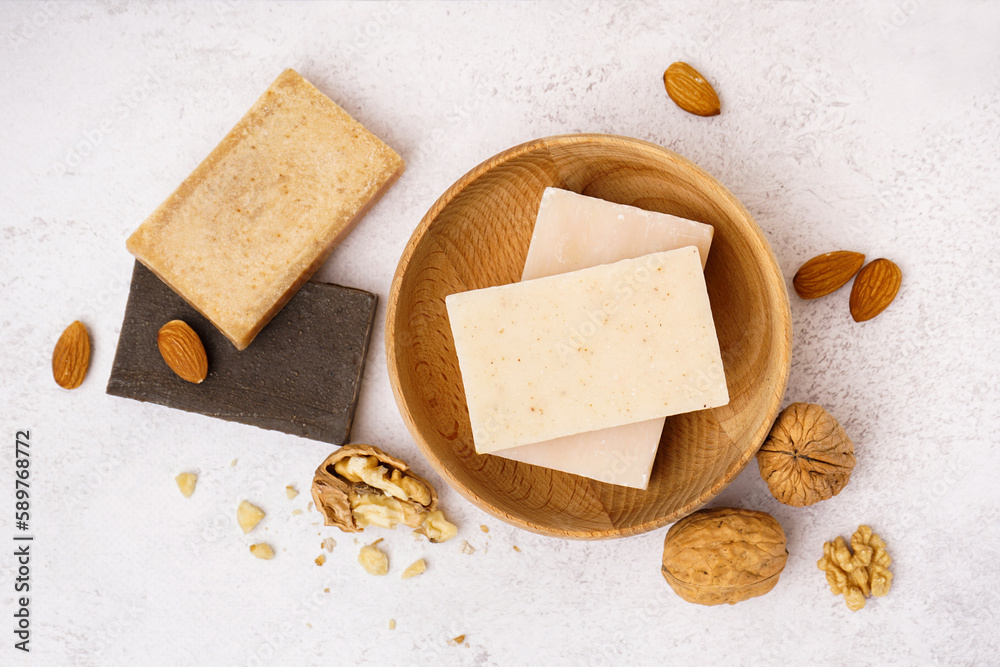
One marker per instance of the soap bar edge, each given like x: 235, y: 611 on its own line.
x: 227, y: 144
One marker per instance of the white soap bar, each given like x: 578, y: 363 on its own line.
x: 572, y: 232
x: 620, y: 455
x: 600, y: 347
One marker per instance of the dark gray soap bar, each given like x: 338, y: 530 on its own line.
x: 301, y: 375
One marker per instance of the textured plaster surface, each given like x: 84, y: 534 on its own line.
x: 871, y: 126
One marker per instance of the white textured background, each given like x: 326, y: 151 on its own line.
x: 871, y: 126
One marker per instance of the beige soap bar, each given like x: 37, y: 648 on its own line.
x: 573, y: 231
x: 264, y: 210
x: 587, y: 350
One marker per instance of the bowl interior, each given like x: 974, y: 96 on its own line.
x: 477, y: 234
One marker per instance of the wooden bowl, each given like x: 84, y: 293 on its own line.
x: 477, y: 234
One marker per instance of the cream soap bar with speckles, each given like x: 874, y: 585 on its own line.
x: 573, y: 231
x: 587, y: 350
x: 264, y: 210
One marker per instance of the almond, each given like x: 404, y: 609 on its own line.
x: 690, y: 91
x: 71, y: 358
x: 874, y: 289
x: 181, y: 348
x: 826, y: 273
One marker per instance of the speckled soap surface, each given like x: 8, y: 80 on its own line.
x: 872, y: 127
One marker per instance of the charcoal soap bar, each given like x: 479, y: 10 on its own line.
x: 301, y: 376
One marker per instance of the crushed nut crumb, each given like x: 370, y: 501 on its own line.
x: 392, y: 624
x: 437, y: 528
x: 485, y: 529
x: 418, y: 567
x: 320, y: 559
x: 329, y: 543
x: 186, y: 482
x: 467, y: 548
x: 262, y: 551
x: 457, y: 641
x: 296, y: 512
x: 248, y: 516
x: 374, y: 560
x: 291, y: 492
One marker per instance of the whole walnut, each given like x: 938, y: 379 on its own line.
x: 807, y: 457
x: 724, y: 555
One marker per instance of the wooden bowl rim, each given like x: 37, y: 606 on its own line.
x: 392, y: 361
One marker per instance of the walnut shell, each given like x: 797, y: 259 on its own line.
x: 336, y: 497
x: 724, y: 555
x: 807, y: 457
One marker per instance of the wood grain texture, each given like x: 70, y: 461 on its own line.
x: 477, y: 235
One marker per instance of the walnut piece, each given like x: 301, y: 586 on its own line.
x: 262, y: 551
x: 860, y: 574
x: 374, y: 560
x: 186, y: 482
x: 360, y: 485
x: 807, y: 457
x: 417, y: 567
x: 437, y: 528
x: 248, y: 516
x: 724, y: 555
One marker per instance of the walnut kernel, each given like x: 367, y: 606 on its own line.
x: 186, y: 482
x: 860, y: 574
x: 807, y: 457
x: 360, y: 485
x: 417, y: 567
x: 374, y: 560
x: 262, y: 551
x: 248, y: 516
x: 437, y: 528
